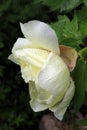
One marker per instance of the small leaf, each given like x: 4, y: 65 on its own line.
x: 71, y: 29
x: 80, y: 78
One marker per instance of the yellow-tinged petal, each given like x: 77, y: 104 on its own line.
x: 69, y: 55
x: 41, y: 35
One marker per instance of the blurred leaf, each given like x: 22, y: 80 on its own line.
x: 51, y: 3
x: 83, y: 122
x: 54, y: 5
x: 37, y: 1
x: 68, y: 5
x: 85, y: 2
x: 82, y: 16
x: 80, y: 78
x: 82, y: 19
x: 63, y: 5
x: 4, y: 5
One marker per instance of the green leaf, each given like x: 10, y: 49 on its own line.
x: 59, y: 25
x: 71, y: 29
x: 80, y: 78
x: 83, y: 53
x: 67, y: 31
x: 83, y: 122
x: 68, y: 5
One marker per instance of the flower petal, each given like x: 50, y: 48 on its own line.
x: 69, y: 55
x: 54, y: 77
x: 41, y: 35
x: 60, y: 108
x: 21, y: 43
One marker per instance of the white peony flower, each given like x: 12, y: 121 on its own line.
x: 46, y: 67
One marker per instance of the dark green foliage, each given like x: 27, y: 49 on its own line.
x: 69, y: 20
x: 80, y: 77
